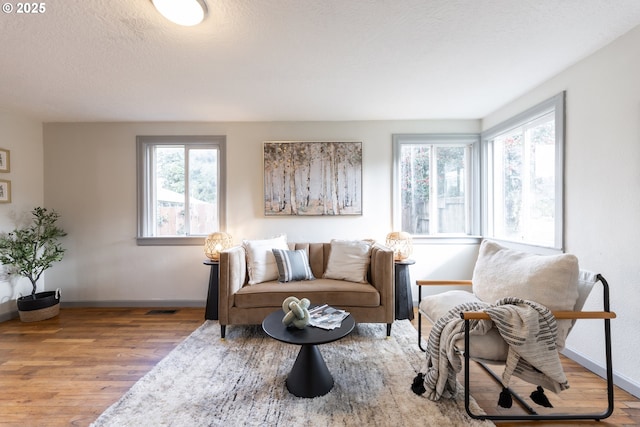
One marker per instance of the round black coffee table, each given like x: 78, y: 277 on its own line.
x: 309, y: 376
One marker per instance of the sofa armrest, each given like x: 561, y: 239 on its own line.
x: 383, y: 278
x: 233, y: 276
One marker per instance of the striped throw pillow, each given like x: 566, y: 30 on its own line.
x: 292, y: 265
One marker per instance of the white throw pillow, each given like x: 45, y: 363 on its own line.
x: 261, y: 264
x: 348, y: 260
x: 550, y: 280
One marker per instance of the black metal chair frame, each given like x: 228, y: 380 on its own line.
x: 532, y: 415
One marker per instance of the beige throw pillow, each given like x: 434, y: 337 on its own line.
x: 348, y: 260
x: 261, y: 263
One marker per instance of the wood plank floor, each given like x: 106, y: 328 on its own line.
x: 67, y: 370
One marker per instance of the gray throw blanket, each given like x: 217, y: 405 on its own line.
x: 443, y: 360
x: 528, y: 328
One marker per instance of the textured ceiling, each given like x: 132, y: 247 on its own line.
x: 263, y: 60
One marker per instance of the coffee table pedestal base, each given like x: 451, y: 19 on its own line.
x: 309, y: 376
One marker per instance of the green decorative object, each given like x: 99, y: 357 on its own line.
x: 296, y: 312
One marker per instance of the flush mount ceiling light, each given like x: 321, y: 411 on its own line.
x: 182, y: 12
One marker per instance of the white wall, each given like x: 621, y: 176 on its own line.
x: 602, y: 189
x: 23, y: 137
x: 90, y: 178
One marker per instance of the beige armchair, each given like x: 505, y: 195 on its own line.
x: 503, y: 277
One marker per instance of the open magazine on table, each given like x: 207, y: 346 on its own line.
x: 326, y: 317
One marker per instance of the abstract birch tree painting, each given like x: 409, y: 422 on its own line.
x: 312, y: 178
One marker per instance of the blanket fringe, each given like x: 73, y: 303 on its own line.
x: 540, y: 398
x: 418, y: 385
x: 505, y: 400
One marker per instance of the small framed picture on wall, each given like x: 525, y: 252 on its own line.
x: 5, y: 191
x: 5, y: 165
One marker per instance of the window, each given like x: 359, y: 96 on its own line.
x: 181, y: 191
x: 523, y: 175
x: 432, y: 180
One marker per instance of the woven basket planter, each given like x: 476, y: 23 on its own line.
x: 45, y: 306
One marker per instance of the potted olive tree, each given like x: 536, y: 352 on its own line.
x: 28, y: 251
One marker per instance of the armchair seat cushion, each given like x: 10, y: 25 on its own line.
x: 436, y: 306
x: 326, y: 291
x: 491, y: 347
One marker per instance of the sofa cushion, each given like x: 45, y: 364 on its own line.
x: 261, y: 263
x: 320, y: 291
x: 348, y: 260
x: 550, y: 280
x: 292, y: 265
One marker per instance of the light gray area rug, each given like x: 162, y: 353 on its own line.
x: 240, y: 381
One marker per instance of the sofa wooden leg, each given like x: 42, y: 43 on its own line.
x: 389, y: 329
x: 223, y: 330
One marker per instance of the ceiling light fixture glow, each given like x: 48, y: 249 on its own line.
x: 182, y: 12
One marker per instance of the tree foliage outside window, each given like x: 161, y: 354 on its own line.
x: 414, y: 175
x: 433, y: 176
x: 202, y: 170
x: 176, y: 168
x: 524, y: 171
x: 180, y: 180
x: 524, y: 187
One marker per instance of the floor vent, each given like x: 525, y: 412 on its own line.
x: 162, y: 311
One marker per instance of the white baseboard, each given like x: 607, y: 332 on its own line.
x: 8, y: 316
x: 133, y: 304
x: 13, y: 314
x: 619, y: 380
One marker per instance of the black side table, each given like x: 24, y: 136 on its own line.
x: 211, y: 312
x: 404, y: 297
x: 309, y: 376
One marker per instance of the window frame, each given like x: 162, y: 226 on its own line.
x: 144, y: 195
x: 472, y: 180
x: 554, y: 104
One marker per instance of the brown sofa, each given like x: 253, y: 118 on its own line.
x: 244, y: 304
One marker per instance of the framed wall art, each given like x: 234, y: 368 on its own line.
x: 5, y: 165
x: 5, y: 191
x: 312, y: 178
